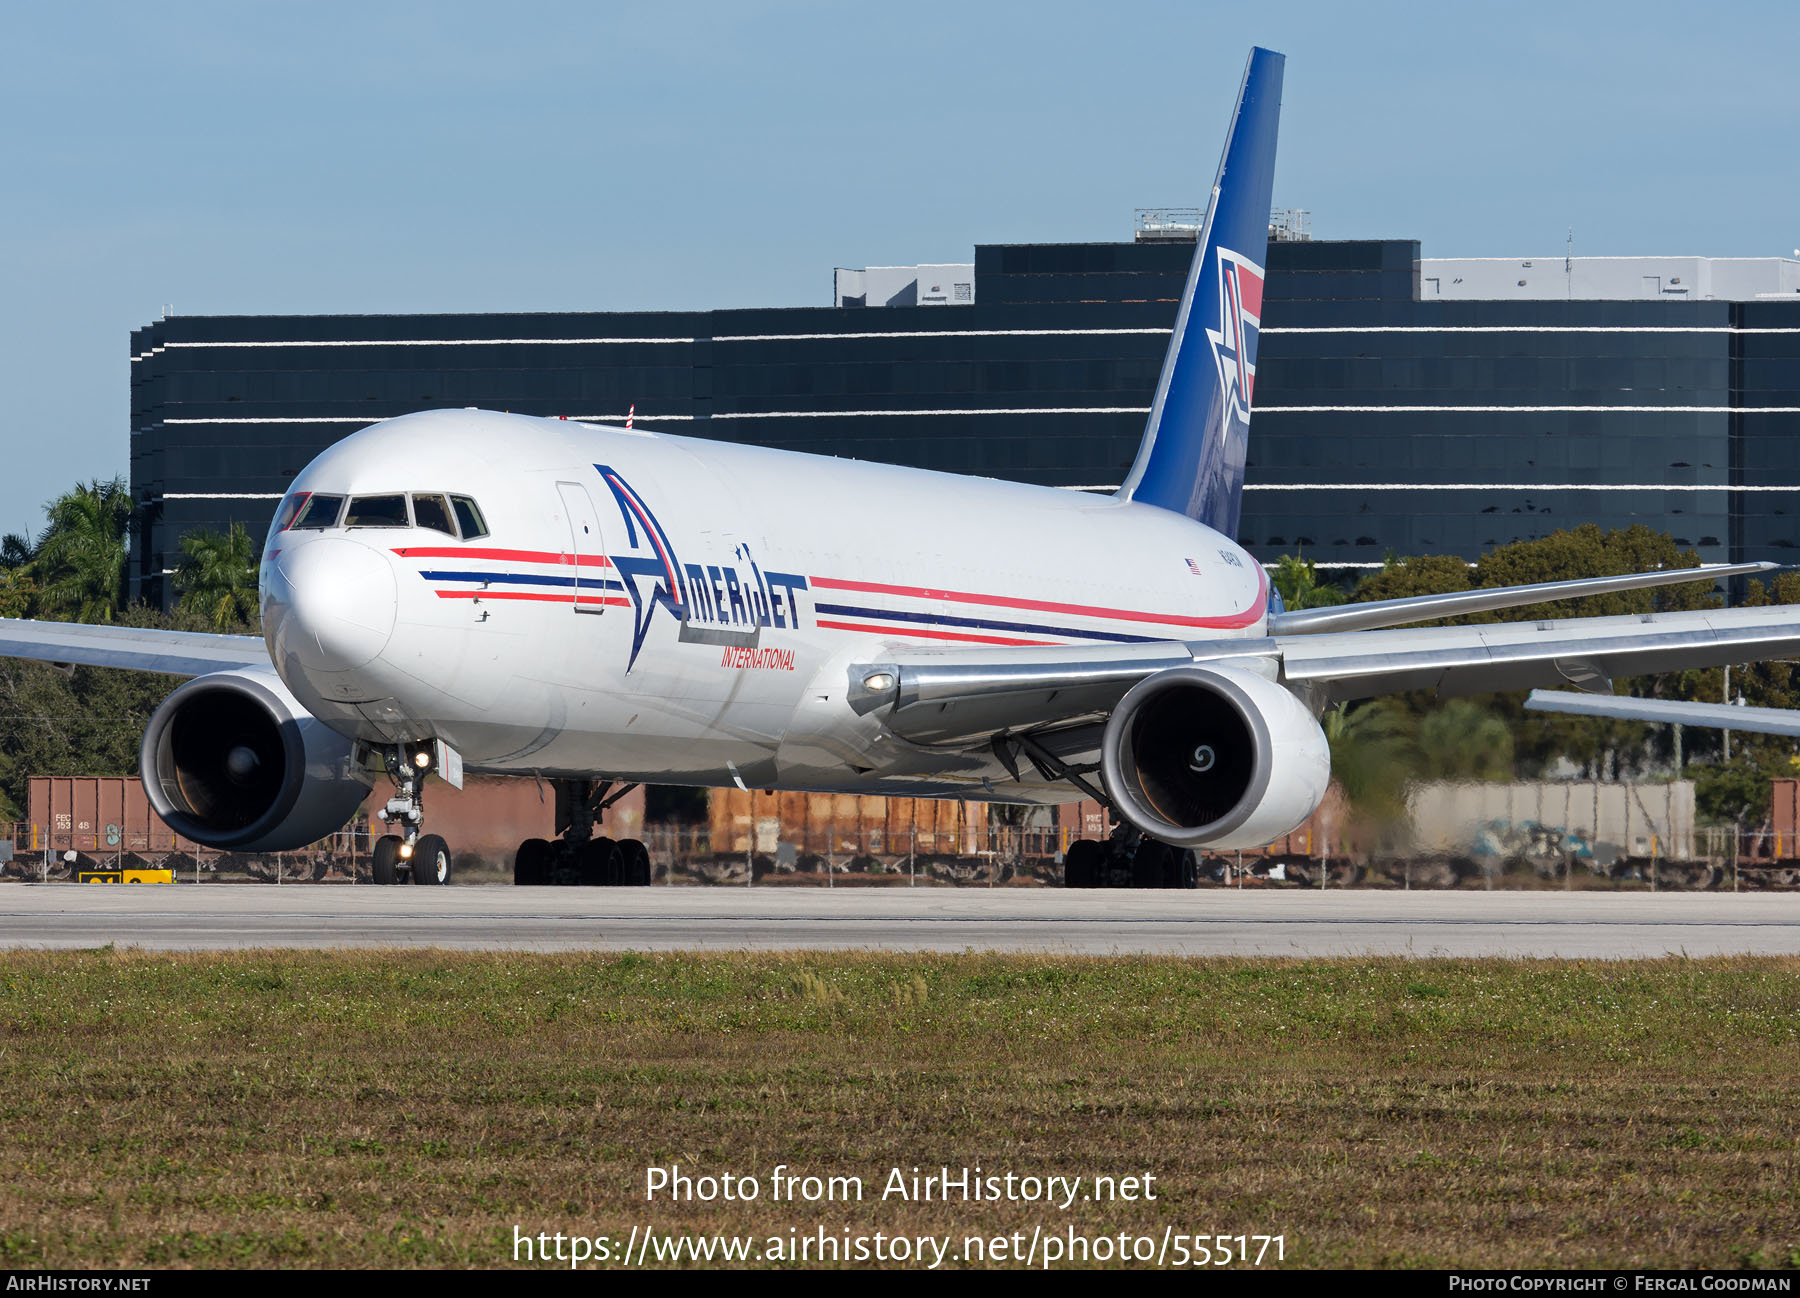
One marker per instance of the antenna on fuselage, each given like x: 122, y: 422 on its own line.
x: 629, y: 413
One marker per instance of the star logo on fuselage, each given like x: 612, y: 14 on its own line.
x: 652, y: 579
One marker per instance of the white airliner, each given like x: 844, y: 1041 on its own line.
x: 459, y: 590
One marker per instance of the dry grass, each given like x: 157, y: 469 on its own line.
x: 401, y: 1108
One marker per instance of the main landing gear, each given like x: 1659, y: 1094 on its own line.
x: 1127, y: 859
x: 422, y: 858
x: 580, y: 856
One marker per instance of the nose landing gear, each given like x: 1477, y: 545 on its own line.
x: 423, y: 858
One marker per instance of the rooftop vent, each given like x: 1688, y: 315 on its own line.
x: 1290, y: 225
x: 1166, y: 224
x: 1183, y: 224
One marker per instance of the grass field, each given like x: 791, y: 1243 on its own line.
x: 413, y: 1108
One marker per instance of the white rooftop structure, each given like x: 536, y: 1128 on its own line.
x: 947, y: 284
x: 1609, y: 279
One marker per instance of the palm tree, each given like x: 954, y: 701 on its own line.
x: 1298, y: 583
x: 80, y: 561
x: 217, y: 576
x: 1373, y: 758
x: 17, y: 592
x: 18, y: 586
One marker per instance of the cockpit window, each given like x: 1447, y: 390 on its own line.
x: 377, y: 511
x: 290, y: 510
x: 431, y: 511
x: 320, y: 512
x: 468, y: 513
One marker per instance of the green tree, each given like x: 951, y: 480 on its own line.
x: 1540, y: 739
x: 18, y: 584
x: 1586, y: 551
x: 9, y: 809
x: 1423, y: 574
x: 88, y: 721
x: 1298, y: 582
x: 1464, y: 741
x: 216, y: 577
x: 1738, y: 791
x: 80, y: 560
x: 1373, y: 758
x: 1766, y: 684
x: 18, y: 592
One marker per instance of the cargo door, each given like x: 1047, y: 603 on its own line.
x: 589, y: 553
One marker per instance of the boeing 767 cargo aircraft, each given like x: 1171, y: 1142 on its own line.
x: 460, y: 590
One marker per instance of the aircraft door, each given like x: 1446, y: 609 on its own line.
x: 588, y: 551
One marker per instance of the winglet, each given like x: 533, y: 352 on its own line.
x: 1192, y: 457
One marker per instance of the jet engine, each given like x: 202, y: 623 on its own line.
x: 232, y: 760
x: 1217, y: 757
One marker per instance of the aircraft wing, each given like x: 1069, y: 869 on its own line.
x: 178, y: 653
x: 1715, y: 716
x: 951, y: 696
x: 1426, y: 608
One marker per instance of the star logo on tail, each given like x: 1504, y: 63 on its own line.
x: 1234, y: 341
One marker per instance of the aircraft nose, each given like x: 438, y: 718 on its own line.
x: 330, y: 604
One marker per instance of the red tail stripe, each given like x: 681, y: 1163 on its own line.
x: 507, y: 556
x: 1250, y: 291
x: 924, y: 634
x: 1229, y: 621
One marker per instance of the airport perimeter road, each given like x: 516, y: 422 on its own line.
x: 1206, y: 922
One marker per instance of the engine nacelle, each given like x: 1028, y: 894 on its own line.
x: 232, y: 760
x: 1214, y: 757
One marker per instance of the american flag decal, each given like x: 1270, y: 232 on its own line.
x: 1193, y: 567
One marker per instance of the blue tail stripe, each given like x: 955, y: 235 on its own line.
x: 1192, y: 456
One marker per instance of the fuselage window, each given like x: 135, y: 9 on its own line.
x: 320, y: 512
x: 377, y: 511
x: 468, y: 513
x: 431, y: 511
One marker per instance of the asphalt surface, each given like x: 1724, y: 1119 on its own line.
x: 1205, y: 922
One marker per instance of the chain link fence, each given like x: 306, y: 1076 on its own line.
x: 1511, y: 857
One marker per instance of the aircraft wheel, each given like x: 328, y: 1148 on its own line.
x: 531, y: 865
x: 1081, y: 863
x: 431, y: 860
x: 597, y: 863
x: 1188, y: 876
x: 384, y: 859
x: 565, y: 864
x: 634, y: 863
x: 1151, y: 868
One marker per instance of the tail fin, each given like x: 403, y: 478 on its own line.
x: 1192, y: 456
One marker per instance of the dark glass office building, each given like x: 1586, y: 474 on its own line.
x: 1384, y: 423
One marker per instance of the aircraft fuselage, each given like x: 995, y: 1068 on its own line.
x: 651, y: 607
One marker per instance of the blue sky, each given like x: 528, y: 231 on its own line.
x: 243, y: 158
